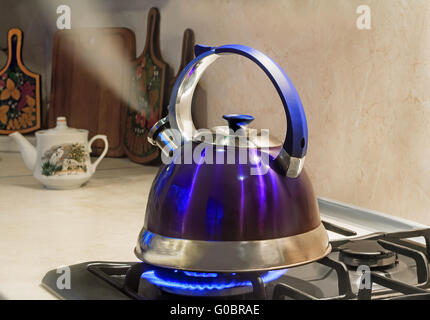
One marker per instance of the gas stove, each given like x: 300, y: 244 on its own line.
x: 374, y: 256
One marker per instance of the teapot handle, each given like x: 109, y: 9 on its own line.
x: 291, y: 158
x: 96, y: 163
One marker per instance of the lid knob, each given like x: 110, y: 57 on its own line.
x: 238, y: 121
x: 61, y: 122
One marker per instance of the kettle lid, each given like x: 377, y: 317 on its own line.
x: 238, y: 134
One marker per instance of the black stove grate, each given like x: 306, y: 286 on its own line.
x: 395, y: 242
x: 283, y: 290
x: 131, y: 282
x: 107, y: 280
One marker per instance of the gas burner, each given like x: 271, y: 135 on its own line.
x: 366, y: 252
x: 402, y: 272
x: 191, y: 283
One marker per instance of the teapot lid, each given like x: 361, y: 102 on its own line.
x: 61, y: 128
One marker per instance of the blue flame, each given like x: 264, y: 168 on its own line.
x: 201, y: 274
x: 203, y: 281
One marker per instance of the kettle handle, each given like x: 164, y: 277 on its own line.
x: 290, y: 160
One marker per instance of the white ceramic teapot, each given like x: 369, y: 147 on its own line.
x: 61, y: 159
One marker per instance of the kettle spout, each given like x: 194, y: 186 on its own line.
x: 163, y: 137
x: 28, y: 151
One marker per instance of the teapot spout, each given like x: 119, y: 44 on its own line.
x: 28, y: 151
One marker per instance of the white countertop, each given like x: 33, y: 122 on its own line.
x: 42, y: 229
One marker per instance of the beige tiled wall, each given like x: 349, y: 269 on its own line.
x: 366, y: 93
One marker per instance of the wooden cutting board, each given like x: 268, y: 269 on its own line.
x: 148, y: 95
x: 187, y: 55
x: 91, y: 72
x: 19, y: 91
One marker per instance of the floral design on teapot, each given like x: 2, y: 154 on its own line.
x: 65, y: 159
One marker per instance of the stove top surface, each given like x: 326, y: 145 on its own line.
x: 374, y: 256
x: 329, y: 278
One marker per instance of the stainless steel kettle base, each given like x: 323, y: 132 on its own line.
x: 232, y: 256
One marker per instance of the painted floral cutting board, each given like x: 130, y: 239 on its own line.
x: 147, y: 95
x: 19, y: 91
